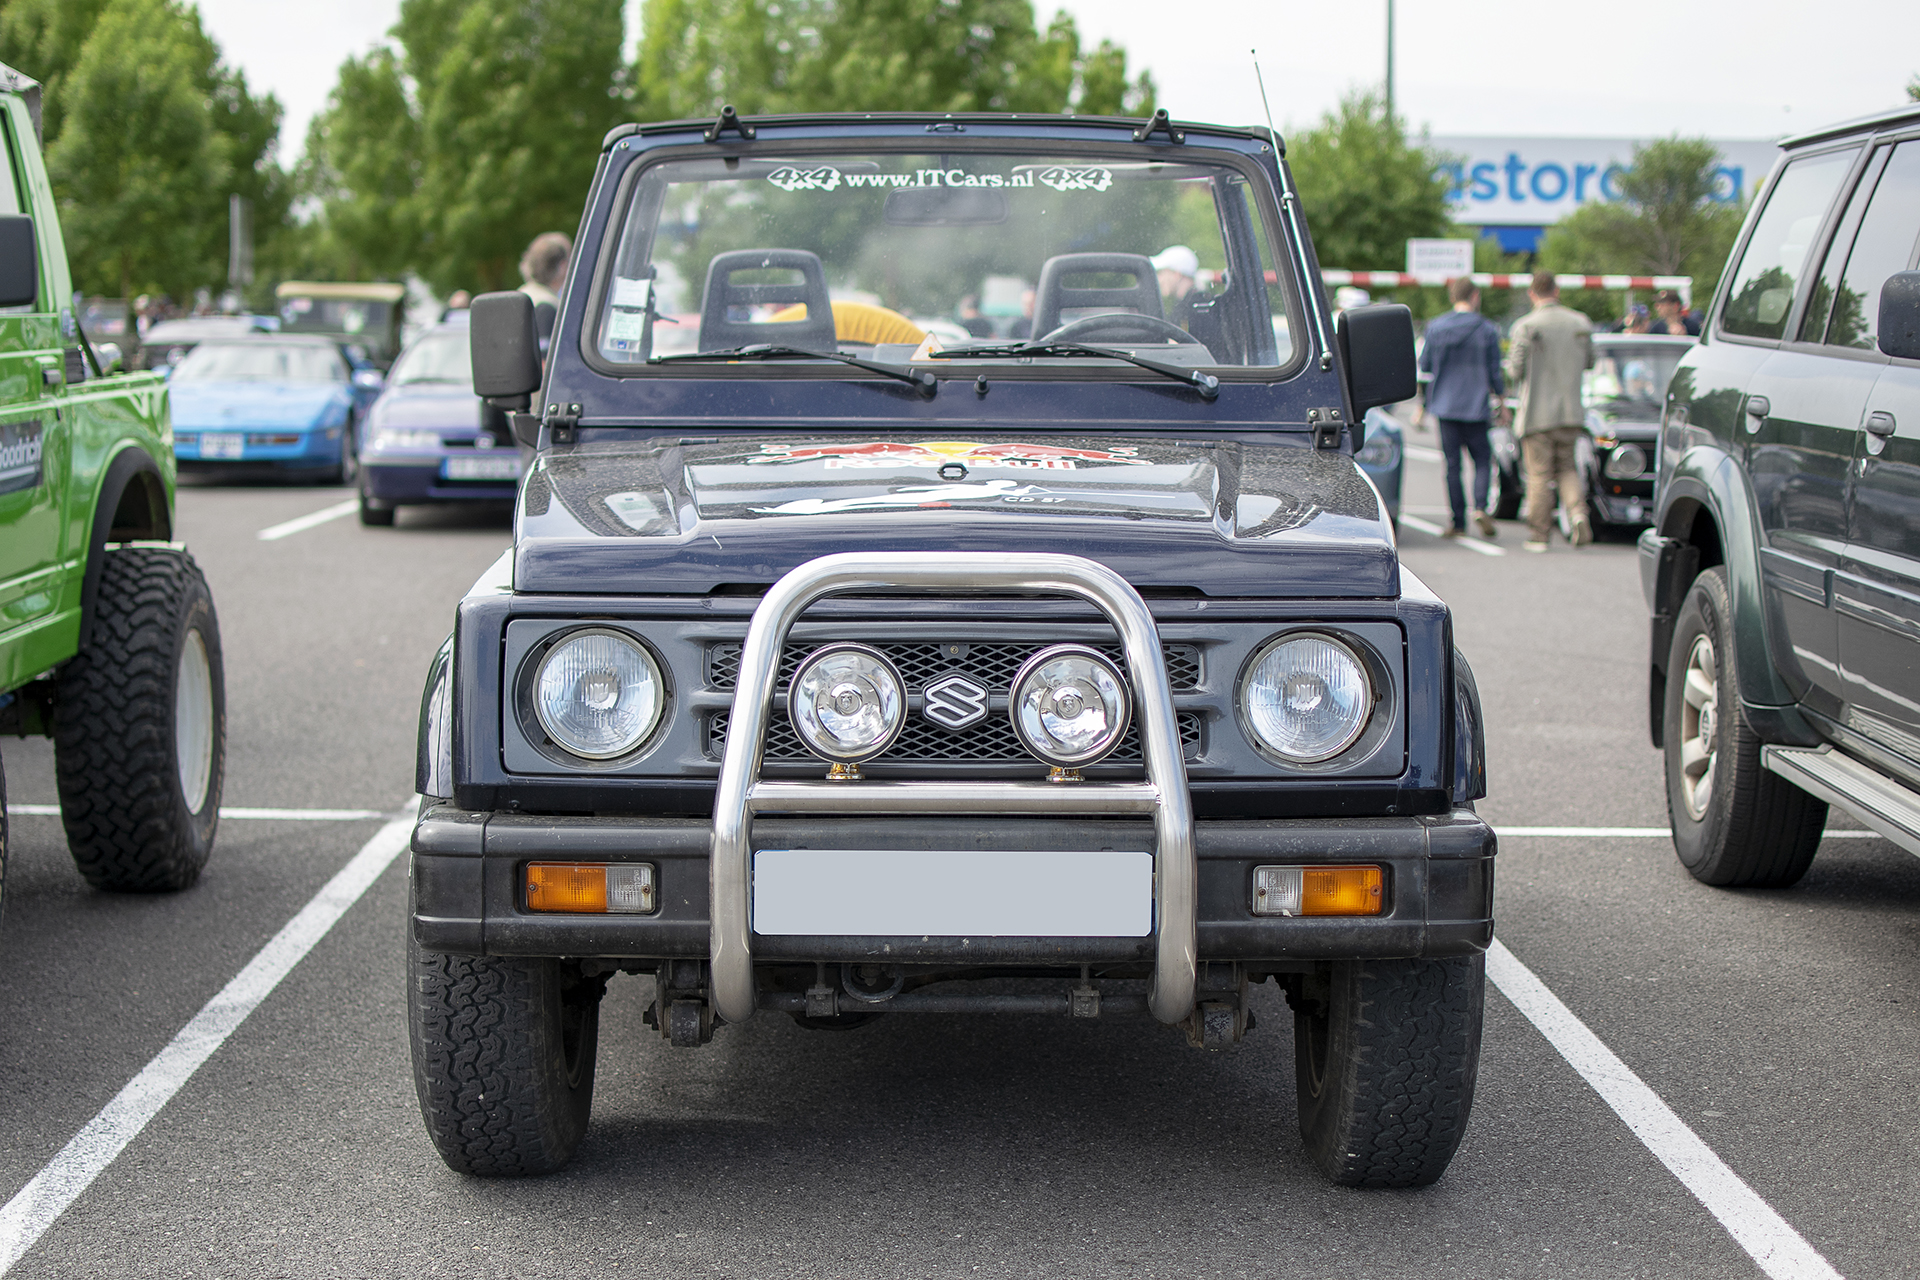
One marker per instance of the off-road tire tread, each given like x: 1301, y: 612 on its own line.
x: 488, y: 1064
x: 1399, y: 1091
x: 127, y: 825
x: 1770, y: 828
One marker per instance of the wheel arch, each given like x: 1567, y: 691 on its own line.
x: 1708, y: 513
x: 131, y: 505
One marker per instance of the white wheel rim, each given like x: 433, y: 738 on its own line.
x: 193, y: 721
x: 1699, y: 726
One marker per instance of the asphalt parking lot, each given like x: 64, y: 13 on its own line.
x: 1775, y: 1030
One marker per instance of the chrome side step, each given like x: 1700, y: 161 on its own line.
x: 1883, y: 804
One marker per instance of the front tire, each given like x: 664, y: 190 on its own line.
x: 347, y: 469
x: 1734, y: 823
x: 503, y: 1058
x: 1385, y: 1057
x: 140, y: 725
x: 373, y: 512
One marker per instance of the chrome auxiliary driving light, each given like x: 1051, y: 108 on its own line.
x: 847, y: 703
x: 1070, y: 705
x: 1306, y: 697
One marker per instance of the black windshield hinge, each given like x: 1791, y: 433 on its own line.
x: 560, y: 423
x: 729, y: 119
x: 1328, y: 426
x: 1160, y: 123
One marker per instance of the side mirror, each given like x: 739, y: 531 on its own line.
x: 368, y: 379
x: 108, y: 354
x: 505, y: 349
x: 1376, y: 348
x: 19, y: 261
x: 1900, y: 316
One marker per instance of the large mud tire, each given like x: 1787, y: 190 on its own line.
x: 503, y: 1058
x: 1385, y: 1056
x: 139, y: 727
x: 1734, y: 823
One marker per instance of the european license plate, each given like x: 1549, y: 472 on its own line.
x: 222, y: 444
x: 921, y: 893
x: 487, y: 468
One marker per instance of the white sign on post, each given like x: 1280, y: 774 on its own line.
x: 1440, y: 257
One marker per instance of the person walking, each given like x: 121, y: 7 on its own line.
x: 1549, y: 349
x: 1462, y: 359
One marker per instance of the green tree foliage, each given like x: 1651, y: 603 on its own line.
x: 769, y: 56
x: 482, y: 130
x: 147, y: 135
x: 1666, y: 223
x: 1913, y: 89
x: 42, y: 39
x: 1366, y: 187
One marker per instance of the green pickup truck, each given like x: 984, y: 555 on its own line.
x: 108, y: 640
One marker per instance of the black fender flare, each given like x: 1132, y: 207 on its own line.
x: 132, y: 505
x: 1469, y: 735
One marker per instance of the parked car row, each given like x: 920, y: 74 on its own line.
x: 299, y: 404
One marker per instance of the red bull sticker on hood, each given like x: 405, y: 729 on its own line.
x: 973, y: 455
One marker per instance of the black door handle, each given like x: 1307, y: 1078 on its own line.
x: 1758, y: 406
x: 1880, y: 423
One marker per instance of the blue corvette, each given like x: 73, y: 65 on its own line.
x: 286, y: 402
x: 428, y: 438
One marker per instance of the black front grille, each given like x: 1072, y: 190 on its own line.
x: 991, y: 742
x: 992, y: 663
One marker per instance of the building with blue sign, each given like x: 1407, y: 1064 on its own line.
x: 1516, y: 188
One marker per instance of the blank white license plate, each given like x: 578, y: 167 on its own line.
x: 222, y: 444
x: 892, y: 893
x: 488, y: 468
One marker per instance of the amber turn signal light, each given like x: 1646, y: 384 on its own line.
x: 1317, y: 891
x: 590, y: 888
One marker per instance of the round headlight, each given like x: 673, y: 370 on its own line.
x: 1070, y: 705
x: 598, y: 693
x: 847, y: 703
x: 1307, y: 697
x: 1627, y: 462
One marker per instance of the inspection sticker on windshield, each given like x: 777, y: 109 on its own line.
x: 20, y: 444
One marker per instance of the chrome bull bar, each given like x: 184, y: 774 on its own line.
x: 742, y: 793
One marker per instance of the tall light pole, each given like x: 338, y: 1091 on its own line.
x: 1389, y: 61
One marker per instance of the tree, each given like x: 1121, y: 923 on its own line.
x: 42, y: 39
x: 1913, y: 89
x: 1365, y: 187
x: 1668, y: 221
x: 363, y: 163
x: 848, y: 55
x: 136, y: 159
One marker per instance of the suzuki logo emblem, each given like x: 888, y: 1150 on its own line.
x: 954, y: 702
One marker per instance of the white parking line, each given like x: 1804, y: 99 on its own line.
x: 41, y: 1202
x: 276, y: 532
x: 1780, y: 1250
x: 276, y: 815
x: 1471, y: 544
x: 1649, y: 833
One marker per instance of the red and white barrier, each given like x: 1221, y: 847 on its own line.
x: 1682, y: 285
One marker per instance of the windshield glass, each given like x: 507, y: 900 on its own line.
x: 438, y: 357
x: 897, y: 256
x: 334, y: 315
x: 260, y: 362
x: 1626, y: 373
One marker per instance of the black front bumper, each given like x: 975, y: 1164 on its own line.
x: 467, y: 871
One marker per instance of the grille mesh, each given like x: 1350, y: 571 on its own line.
x: 991, y: 742
x: 992, y: 663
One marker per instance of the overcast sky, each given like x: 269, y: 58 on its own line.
x: 1622, y: 68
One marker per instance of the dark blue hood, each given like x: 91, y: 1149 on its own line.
x: 1228, y: 519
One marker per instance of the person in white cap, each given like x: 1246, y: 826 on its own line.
x: 1177, y: 268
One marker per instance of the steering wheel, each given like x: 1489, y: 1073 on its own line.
x: 1119, y: 327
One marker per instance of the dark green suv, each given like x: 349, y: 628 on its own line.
x: 108, y: 640
x: 1783, y: 568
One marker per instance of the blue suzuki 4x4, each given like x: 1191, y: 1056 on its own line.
x: 864, y: 650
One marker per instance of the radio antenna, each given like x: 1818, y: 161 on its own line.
x: 1261, y: 81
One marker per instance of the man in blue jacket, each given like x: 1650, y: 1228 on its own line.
x: 1462, y: 361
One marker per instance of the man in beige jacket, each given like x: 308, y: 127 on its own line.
x: 1549, y: 349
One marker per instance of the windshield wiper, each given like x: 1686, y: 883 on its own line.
x: 1205, y: 383
x: 926, y: 382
